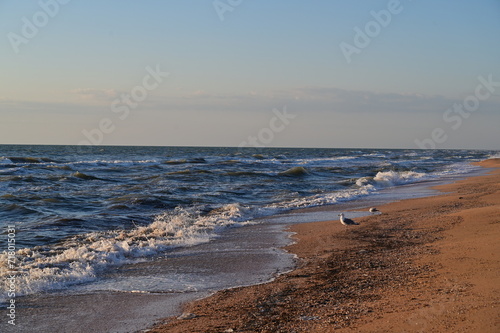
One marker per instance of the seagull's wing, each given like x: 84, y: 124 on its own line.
x: 350, y: 222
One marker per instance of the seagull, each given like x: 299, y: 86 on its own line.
x: 373, y: 210
x: 345, y: 221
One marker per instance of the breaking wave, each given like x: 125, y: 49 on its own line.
x: 365, y: 186
x: 81, y: 258
x: 391, y: 178
x: 492, y: 156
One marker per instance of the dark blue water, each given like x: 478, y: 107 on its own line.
x: 79, y: 210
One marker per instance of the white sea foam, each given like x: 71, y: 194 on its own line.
x: 457, y: 169
x: 123, y: 163
x: 325, y: 199
x: 497, y: 155
x: 391, y: 178
x: 81, y: 258
x: 5, y: 160
x: 327, y: 160
x: 9, y: 170
x: 365, y: 186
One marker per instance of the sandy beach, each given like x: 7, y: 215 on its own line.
x: 423, y: 265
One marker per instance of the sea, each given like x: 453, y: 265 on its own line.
x: 81, y: 220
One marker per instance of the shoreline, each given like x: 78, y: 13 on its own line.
x: 425, y: 264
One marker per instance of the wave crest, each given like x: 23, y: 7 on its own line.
x: 84, y: 176
x: 391, y: 178
x: 295, y: 171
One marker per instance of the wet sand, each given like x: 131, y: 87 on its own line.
x: 423, y: 265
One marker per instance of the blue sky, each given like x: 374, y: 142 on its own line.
x: 230, y: 63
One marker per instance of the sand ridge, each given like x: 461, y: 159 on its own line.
x: 424, y: 265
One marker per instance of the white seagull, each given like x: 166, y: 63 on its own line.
x: 373, y: 210
x: 345, y: 221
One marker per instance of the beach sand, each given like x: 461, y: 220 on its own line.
x: 423, y: 265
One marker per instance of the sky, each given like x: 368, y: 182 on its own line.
x: 282, y: 73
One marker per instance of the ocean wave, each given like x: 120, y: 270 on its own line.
x: 497, y: 155
x: 197, y: 160
x: 188, y: 172
x: 295, y: 171
x: 391, y: 178
x: 67, y: 221
x: 109, y: 165
x: 122, y: 162
x: 84, y: 176
x: 60, y: 167
x: 5, y: 160
x: 18, y: 209
x: 30, y: 160
x: 324, y: 199
x: 243, y: 173
x: 229, y: 162
x: 174, y: 162
x: 330, y: 161
x: 9, y: 171
x: 15, y: 179
x: 81, y: 258
x: 457, y: 169
x: 364, y: 186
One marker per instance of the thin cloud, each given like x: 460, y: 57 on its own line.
x: 96, y: 94
x: 303, y: 100
x: 310, y: 99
